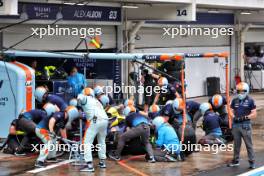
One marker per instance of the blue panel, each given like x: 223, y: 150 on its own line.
x: 205, y: 18
x: 67, y: 12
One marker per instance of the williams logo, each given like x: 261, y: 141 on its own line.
x: 1, y: 83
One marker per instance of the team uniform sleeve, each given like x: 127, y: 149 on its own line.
x: 252, y: 104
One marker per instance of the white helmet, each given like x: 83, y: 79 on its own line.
x: 154, y: 108
x: 50, y: 109
x: 242, y: 90
x: 39, y: 93
x: 158, y: 121
x: 72, y: 112
x: 82, y: 99
x: 163, y: 82
x: 88, y: 91
x: 73, y: 102
x: 204, y: 107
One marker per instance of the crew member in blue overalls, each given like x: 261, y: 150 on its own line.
x: 139, y: 126
x: 244, y: 109
x: 42, y: 96
x: 76, y: 81
x: 46, y: 130
x: 168, y: 146
x: 211, y: 125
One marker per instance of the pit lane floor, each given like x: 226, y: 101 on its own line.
x: 199, y: 163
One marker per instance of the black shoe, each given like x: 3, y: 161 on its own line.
x: 39, y: 164
x: 102, y: 164
x: 233, y: 164
x: 89, y: 168
x: 114, y: 156
x: 180, y: 157
x: 20, y: 153
x: 252, y: 165
x: 151, y: 159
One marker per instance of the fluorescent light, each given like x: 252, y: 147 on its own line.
x: 245, y: 13
x: 129, y: 7
x: 80, y: 4
x: 69, y: 3
x: 213, y: 11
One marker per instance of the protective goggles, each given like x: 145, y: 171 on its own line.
x: 241, y: 91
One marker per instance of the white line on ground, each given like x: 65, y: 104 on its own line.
x: 50, y: 166
x: 252, y: 172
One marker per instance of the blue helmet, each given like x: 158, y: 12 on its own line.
x: 177, y: 104
x: 205, y: 107
x: 104, y: 100
x: 129, y: 102
x: 242, y: 90
x: 72, y: 112
x: 128, y: 110
x: 158, y: 121
x: 98, y: 90
x: 50, y: 109
x: 73, y: 102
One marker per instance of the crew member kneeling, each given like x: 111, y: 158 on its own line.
x: 167, y: 144
x: 211, y: 126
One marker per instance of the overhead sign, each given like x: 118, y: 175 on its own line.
x: 8, y: 7
x: 183, y: 12
x: 69, y: 12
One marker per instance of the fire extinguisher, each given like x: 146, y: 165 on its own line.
x: 237, y: 79
x: 237, y: 76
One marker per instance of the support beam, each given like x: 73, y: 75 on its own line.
x: 241, y: 50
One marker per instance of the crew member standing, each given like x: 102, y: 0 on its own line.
x: 244, y: 109
x: 76, y: 81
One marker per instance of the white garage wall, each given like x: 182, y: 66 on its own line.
x: 256, y: 35
x: 197, y: 70
x: 15, y: 34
